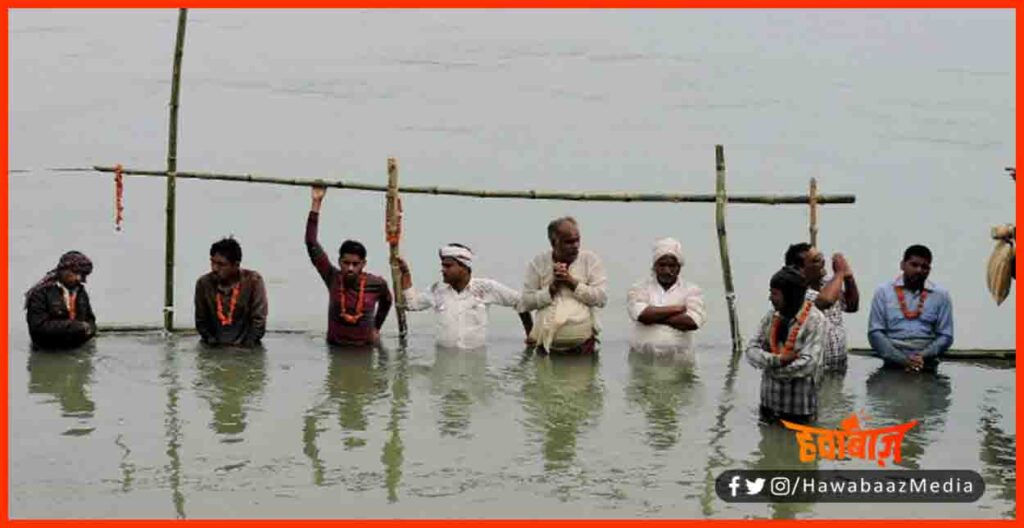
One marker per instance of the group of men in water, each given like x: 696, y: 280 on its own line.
x: 799, y: 340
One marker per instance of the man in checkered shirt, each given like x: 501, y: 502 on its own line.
x: 833, y: 297
x: 789, y: 388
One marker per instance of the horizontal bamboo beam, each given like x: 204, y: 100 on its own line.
x: 529, y: 195
x: 963, y: 353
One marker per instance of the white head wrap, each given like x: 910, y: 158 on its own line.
x: 461, y: 254
x: 668, y: 246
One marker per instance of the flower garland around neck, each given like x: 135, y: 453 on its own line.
x: 72, y: 304
x: 225, y: 320
x: 903, y: 303
x: 791, y: 340
x: 354, y: 318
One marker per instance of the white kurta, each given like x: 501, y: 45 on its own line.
x: 661, y: 338
x: 462, y: 316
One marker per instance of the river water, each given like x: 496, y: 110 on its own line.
x: 912, y: 111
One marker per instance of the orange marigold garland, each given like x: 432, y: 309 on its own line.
x: 903, y: 303
x: 354, y: 318
x: 791, y: 340
x: 225, y: 320
x: 118, y: 197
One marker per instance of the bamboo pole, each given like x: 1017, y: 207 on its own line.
x: 172, y: 168
x: 723, y: 248
x: 393, y: 229
x: 782, y: 199
x: 814, y: 212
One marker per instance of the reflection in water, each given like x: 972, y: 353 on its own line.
x: 172, y: 425
x: 562, y: 395
x: 392, y: 457
x: 718, y: 455
x: 229, y: 378
x: 356, y: 377
x: 835, y: 403
x: 127, y: 468
x: 661, y: 384
x: 998, y: 456
x: 65, y: 376
x: 460, y: 378
x: 778, y: 449
x: 896, y: 396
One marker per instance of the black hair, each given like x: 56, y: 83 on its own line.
x: 352, y: 247
x: 228, y: 248
x: 793, y: 287
x: 794, y: 255
x: 917, y: 250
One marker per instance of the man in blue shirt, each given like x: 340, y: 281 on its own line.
x: 911, y: 321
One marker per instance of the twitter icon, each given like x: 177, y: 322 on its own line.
x: 754, y: 486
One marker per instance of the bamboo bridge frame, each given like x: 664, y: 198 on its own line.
x: 393, y: 212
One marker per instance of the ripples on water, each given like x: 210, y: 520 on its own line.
x: 154, y: 429
x: 136, y: 426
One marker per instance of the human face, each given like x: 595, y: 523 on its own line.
x: 351, y: 266
x: 70, y: 279
x: 814, y: 266
x: 225, y: 270
x: 666, y: 269
x: 915, y: 271
x: 566, y: 244
x: 777, y: 299
x: 452, y: 272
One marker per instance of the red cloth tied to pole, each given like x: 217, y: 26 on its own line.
x: 118, y: 197
x: 394, y: 235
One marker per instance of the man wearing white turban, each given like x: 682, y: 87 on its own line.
x: 460, y: 301
x: 666, y: 308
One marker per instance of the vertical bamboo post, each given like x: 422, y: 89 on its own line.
x: 393, y: 226
x: 172, y: 168
x: 814, y: 211
x: 723, y: 248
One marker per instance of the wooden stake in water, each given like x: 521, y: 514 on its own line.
x: 723, y: 248
x: 814, y: 212
x: 393, y: 229
x: 172, y: 169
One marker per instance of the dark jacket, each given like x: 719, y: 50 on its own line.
x: 49, y: 321
x: 249, y: 319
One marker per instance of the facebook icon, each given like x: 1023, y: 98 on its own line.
x: 734, y: 484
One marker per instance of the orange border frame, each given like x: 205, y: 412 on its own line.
x: 580, y: 523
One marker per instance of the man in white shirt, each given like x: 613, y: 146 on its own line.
x: 566, y: 286
x: 460, y: 301
x: 666, y: 308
